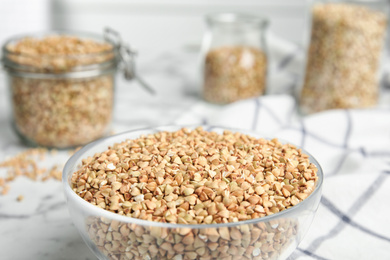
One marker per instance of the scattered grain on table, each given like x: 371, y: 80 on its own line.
x: 33, y: 163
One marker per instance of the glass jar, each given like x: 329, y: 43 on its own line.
x: 61, y: 86
x: 344, y: 58
x: 234, y: 58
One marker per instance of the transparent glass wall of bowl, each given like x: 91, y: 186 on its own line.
x: 112, y: 236
x: 345, y: 56
x: 233, y: 57
x: 61, y: 101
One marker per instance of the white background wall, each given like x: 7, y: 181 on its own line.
x: 154, y: 26
x: 23, y: 16
x: 151, y: 26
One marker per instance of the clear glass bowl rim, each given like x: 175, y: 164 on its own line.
x: 96, y: 211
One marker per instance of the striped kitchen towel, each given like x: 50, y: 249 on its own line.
x: 353, y: 148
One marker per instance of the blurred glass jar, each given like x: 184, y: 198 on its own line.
x: 62, y: 86
x: 234, y: 57
x: 345, y: 54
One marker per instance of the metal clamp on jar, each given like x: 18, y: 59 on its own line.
x: 62, y: 85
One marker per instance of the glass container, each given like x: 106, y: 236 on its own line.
x: 234, y: 57
x: 61, y: 86
x: 344, y: 57
x: 113, y: 236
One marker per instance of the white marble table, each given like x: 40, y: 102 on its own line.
x: 39, y: 227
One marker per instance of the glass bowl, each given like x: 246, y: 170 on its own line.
x: 113, y: 236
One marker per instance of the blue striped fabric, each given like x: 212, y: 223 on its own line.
x: 353, y: 148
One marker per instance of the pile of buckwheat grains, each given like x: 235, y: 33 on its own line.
x: 194, y: 177
x: 232, y: 73
x: 60, y: 112
x: 344, y: 57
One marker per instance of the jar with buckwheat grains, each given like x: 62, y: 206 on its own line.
x: 61, y: 86
x: 345, y: 55
x: 234, y: 58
